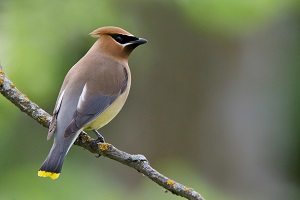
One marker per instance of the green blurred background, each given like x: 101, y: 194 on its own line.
x: 214, y: 103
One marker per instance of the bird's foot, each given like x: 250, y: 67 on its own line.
x: 100, y: 137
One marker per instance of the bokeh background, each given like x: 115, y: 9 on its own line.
x: 214, y: 103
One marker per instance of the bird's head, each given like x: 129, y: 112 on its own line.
x: 116, y: 41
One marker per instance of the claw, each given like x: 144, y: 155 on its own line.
x: 98, y: 156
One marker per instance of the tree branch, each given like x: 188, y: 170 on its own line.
x: 138, y: 162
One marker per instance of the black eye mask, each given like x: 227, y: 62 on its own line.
x: 123, y: 39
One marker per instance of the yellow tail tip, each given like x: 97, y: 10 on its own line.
x: 52, y: 175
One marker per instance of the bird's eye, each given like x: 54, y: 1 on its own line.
x: 119, y: 39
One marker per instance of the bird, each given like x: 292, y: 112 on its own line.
x: 92, y: 94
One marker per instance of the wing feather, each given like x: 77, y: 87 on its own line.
x: 52, y: 126
x: 92, y: 104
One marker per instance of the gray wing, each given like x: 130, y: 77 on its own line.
x: 52, y: 126
x: 90, y: 106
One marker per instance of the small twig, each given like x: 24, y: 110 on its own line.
x: 138, y: 162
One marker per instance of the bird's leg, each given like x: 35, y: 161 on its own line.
x: 100, y: 137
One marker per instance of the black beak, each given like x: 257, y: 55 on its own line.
x: 139, y: 41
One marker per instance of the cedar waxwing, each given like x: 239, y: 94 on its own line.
x: 93, y: 92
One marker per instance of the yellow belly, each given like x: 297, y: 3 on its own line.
x: 105, y: 117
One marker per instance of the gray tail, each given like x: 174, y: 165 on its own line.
x: 53, y: 163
